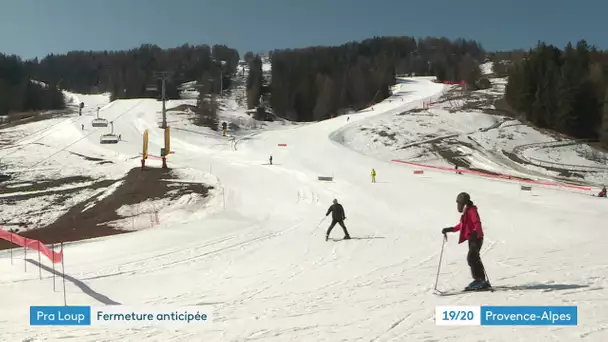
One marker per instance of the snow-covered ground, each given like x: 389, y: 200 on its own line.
x: 567, y: 153
x: 486, y: 68
x: 256, y: 251
x: 402, y: 132
x: 484, y: 141
x: 31, y: 152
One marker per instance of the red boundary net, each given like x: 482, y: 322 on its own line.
x: 578, y: 187
x: 55, y: 257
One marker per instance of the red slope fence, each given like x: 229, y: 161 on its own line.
x: 55, y: 257
x: 578, y: 187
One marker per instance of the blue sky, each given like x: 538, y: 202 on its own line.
x: 31, y: 28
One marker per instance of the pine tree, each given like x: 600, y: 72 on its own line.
x: 255, y: 80
x: 604, y: 129
x: 206, y: 107
x: 561, y: 90
x: 360, y: 72
x: 18, y: 93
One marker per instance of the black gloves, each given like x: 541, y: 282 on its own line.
x: 446, y: 230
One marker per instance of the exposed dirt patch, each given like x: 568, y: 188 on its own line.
x: 389, y: 135
x: 43, y: 184
x: 138, y: 187
x: 562, y: 172
x: 451, y: 155
x: 599, y: 146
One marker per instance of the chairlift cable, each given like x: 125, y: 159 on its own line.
x: 63, y: 149
x: 19, y: 147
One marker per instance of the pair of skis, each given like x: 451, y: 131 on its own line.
x: 456, y: 292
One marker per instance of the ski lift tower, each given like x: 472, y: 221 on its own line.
x: 163, y: 76
x: 221, y: 64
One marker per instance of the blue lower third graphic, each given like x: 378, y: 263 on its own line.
x: 60, y: 315
x: 529, y: 315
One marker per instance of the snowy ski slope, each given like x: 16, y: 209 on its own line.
x: 258, y: 255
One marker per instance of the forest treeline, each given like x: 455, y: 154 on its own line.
x: 316, y: 82
x: 561, y: 89
x: 124, y: 74
x: 564, y: 90
x: 129, y: 73
x: 19, y: 94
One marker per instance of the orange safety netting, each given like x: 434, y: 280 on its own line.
x: 55, y: 257
x: 493, y: 175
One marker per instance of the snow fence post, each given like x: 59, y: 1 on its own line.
x: 11, y: 248
x: 65, y: 302
x: 39, y: 264
x: 53, y: 256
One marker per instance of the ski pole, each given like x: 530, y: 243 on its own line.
x: 323, y: 219
x: 487, y: 278
x: 445, y: 238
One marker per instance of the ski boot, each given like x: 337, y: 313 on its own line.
x: 347, y: 237
x: 326, y: 237
x: 477, y: 285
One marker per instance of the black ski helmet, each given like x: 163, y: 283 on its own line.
x: 335, y: 201
x: 463, y: 198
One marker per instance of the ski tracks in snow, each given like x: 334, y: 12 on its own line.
x: 183, y: 255
x: 307, y: 195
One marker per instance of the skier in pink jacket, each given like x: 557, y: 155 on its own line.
x: 470, y: 229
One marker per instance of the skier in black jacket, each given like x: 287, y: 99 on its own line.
x: 338, y: 216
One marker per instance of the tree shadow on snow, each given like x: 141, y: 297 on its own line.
x: 543, y: 287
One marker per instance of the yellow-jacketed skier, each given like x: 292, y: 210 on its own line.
x: 373, y: 176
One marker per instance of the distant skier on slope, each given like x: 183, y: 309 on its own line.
x: 602, y: 193
x: 338, y: 216
x: 373, y: 175
x: 270, y: 160
x: 470, y: 229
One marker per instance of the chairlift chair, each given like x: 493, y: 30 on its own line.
x: 152, y: 86
x: 99, y: 122
x: 109, y: 138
